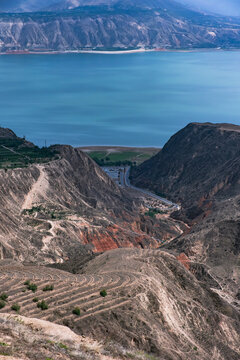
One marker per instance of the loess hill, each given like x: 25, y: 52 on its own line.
x: 56, y: 202
x: 199, y: 167
x: 154, y: 308
x: 178, y: 302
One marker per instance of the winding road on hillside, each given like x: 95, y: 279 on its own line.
x: 124, y: 178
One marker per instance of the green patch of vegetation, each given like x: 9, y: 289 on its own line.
x: 27, y: 282
x: 45, y: 213
x: 130, y: 355
x: 42, y: 305
x: 50, y: 342
x: 4, y: 344
x: 150, y: 357
x: 16, y: 307
x: 48, y: 288
x: 3, y: 297
x: 117, y: 159
x: 35, y: 299
x: 32, y: 287
x: 160, y: 194
x: 103, y: 293
x: 17, y: 153
x: 53, y: 216
x: 76, y: 311
x: 49, y: 358
x: 31, y: 211
x: 121, y: 157
x: 153, y: 212
x: 2, y: 304
x: 195, y: 348
x: 62, y: 346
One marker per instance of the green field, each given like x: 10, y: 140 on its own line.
x: 17, y: 153
x: 119, y: 155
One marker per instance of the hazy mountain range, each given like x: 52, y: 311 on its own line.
x: 112, y: 24
x: 225, y: 7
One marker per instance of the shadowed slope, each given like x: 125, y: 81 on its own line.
x: 200, y: 167
x: 197, y: 163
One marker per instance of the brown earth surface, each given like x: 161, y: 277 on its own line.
x: 204, y: 176
x: 154, y: 305
x: 50, y: 210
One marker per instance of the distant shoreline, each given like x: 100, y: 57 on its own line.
x: 115, y: 52
x: 102, y: 52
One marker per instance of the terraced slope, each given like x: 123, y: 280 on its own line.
x: 69, y: 291
x: 152, y: 303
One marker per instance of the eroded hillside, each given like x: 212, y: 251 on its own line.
x: 199, y: 166
x: 75, y: 25
x: 152, y: 305
x: 50, y: 210
x: 177, y: 302
x: 197, y: 163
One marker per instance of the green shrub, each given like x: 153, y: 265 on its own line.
x: 32, y: 287
x: 2, y: 304
x: 153, y: 212
x: 42, y: 305
x: 27, y: 282
x: 76, y: 311
x: 103, y: 293
x: 62, y: 346
x: 35, y: 299
x: 48, y: 288
x: 3, y: 296
x: 15, y: 307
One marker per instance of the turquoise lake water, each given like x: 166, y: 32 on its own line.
x: 131, y: 99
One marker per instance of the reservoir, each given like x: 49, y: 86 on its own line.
x: 136, y: 99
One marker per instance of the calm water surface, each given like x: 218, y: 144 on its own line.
x: 132, y: 99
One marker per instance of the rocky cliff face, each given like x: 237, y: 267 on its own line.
x: 127, y: 24
x: 200, y: 167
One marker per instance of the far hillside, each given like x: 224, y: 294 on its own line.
x: 16, y: 152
